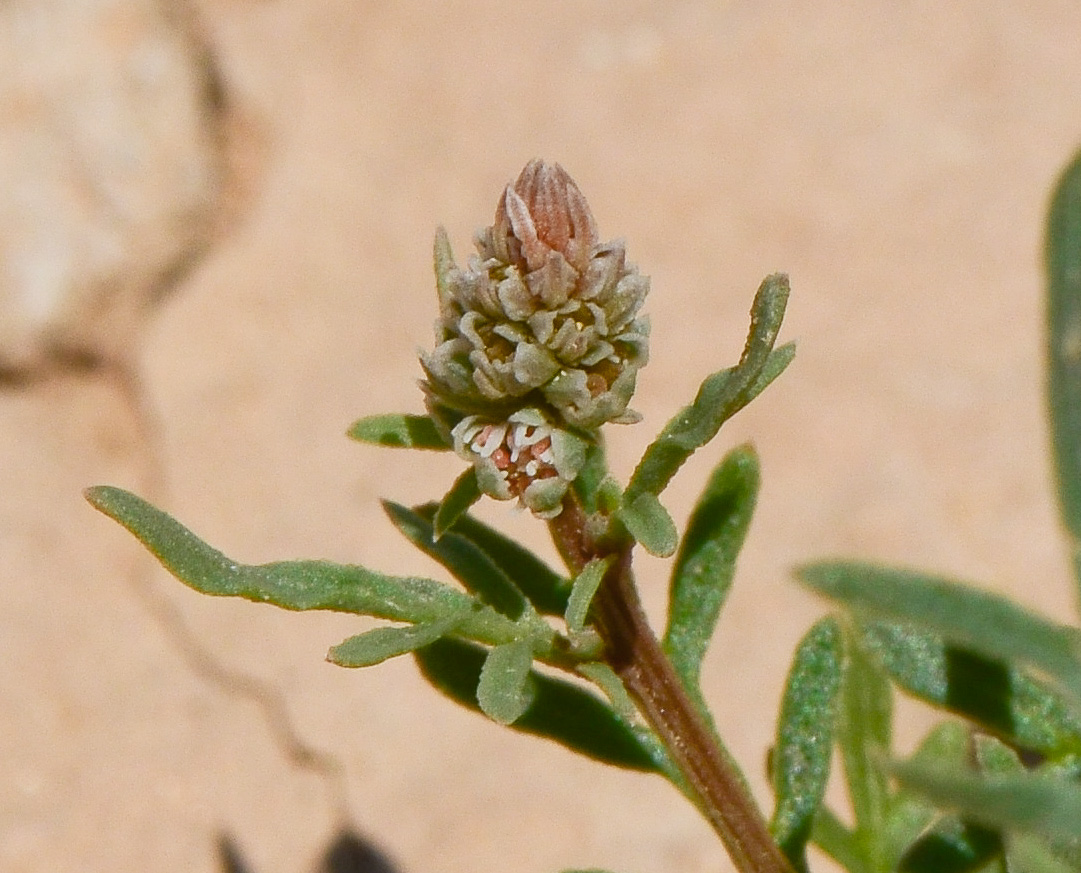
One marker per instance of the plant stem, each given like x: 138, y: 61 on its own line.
x: 633, y: 652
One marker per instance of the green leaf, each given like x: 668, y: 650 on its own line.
x: 1025, y: 801
x: 1029, y: 854
x: 469, y: 565
x: 587, y: 483
x: 1063, y: 262
x: 383, y: 643
x: 546, y: 589
x: 952, y: 846
x: 585, y: 587
x: 990, y: 625
x: 864, y: 735
x: 398, y: 431
x: 560, y: 711
x: 297, y: 585
x: 706, y: 563
x: 463, y: 493
x: 837, y: 841
x: 801, y: 756
x: 503, y: 691
x: 721, y: 396
x: 1001, y: 699
x: 650, y: 524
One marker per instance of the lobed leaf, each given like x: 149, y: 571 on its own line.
x: 1063, y: 264
x: 383, y: 643
x: 999, y: 698
x: 503, y: 690
x: 721, y: 395
x: 297, y: 585
x: 468, y: 564
x: 988, y: 624
x: 560, y: 711
x: 546, y: 589
x: 398, y: 431
x: 804, y: 746
x: 706, y: 562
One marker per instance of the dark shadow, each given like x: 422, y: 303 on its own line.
x: 350, y: 853
x: 229, y: 856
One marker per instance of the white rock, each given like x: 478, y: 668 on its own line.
x: 108, y: 172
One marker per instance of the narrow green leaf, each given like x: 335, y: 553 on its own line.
x: 1001, y: 699
x: 1025, y: 801
x: 594, y: 471
x: 469, y: 565
x: 864, y: 736
x: 546, y: 589
x: 988, y: 624
x: 383, y: 643
x: 560, y: 711
x: 585, y: 587
x: 837, y: 841
x: 706, y: 562
x: 398, y: 431
x: 801, y: 756
x: 721, y: 395
x: 1063, y: 263
x: 297, y: 585
x: 463, y: 493
x: 650, y: 524
x: 503, y: 691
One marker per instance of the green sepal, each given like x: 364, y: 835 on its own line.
x: 463, y: 494
x: 560, y: 711
x: 650, y: 524
x: 705, y: 565
x: 1001, y: 699
x: 721, y: 395
x: 1063, y: 264
x: 504, y: 690
x: 546, y: 589
x: 584, y: 588
x: 804, y: 746
x: 398, y: 430
x: 295, y: 585
x: 468, y: 564
x: 988, y: 624
x: 382, y: 643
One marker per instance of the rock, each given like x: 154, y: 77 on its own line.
x: 109, y: 172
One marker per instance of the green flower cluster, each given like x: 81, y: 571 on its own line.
x: 538, y: 340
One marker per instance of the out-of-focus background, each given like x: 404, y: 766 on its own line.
x: 215, y: 233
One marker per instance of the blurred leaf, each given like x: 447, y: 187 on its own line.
x: 585, y: 587
x: 952, y: 846
x: 721, y: 395
x: 986, y: 623
x: 650, y: 524
x: 295, y: 585
x: 1000, y: 699
x: 398, y: 431
x: 463, y: 493
x: 503, y: 691
x: 837, y: 841
x: 546, y: 589
x: 1063, y: 262
x: 1029, y: 854
x: 801, y: 756
x: 560, y: 711
x: 706, y: 563
x: 382, y: 643
x: 1026, y: 801
x: 864, y: 735
x: 467, y: 563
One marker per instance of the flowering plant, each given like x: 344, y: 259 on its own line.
x: 539, y: 341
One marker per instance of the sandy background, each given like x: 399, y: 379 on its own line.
x: 894, y: 158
